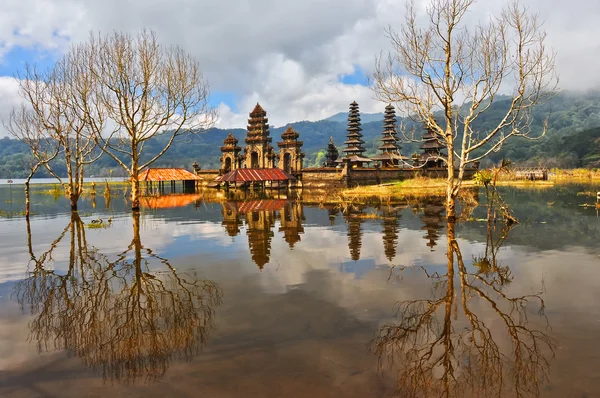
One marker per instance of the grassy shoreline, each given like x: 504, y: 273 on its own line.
x: 429, y: 187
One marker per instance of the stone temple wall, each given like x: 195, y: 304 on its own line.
x: 338, y: 177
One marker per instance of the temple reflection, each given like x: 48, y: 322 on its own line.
x: 471, y: 337
x: 129, y: 317
x: 354, y: 219
x: 432, y: 218
x: 260, y: 217
x: 291, y: 219
x: 232, y: 221
x: 391, y: 227
x: 259, y: 229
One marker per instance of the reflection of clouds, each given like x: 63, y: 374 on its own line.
x: 320, y: 248
x: 157, y: 234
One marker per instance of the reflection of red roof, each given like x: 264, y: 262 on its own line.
x: 244, y: 175
x: 165, y: 201
x: 164, y: 174
x: 257, y: 205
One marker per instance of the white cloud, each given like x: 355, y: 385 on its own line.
x: 287, y: 55
x: 9, y: 98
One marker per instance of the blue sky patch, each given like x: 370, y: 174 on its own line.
x: 17, y: 57
x: 358, y: 77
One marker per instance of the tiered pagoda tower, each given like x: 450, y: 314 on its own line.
x: 432, y: 155
x: 231, y: 159
x: 354, y: 144
x: 290, y: 152
x: 390, y: 150
x: 259, y: 152
x: 331, y: 155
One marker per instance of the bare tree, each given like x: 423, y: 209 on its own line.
x: 471, y: 338
x: 26, y: 127
x: 54, y: 97
x: 127, y: 318
x: 146, y: 90
x: 461, y: 71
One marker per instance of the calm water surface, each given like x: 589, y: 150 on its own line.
x: 273, y: 298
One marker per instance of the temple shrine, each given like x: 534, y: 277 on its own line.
x: 354, y: 144
x: 432, y: 156
x: 331, y: 155
x: 258, y: 163
x: 390, y: 149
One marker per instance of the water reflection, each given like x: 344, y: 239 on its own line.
x: 127, y: 318
x: 471, y: 337
x: 432, y: 218
x: 260, y: 217
x: 391, y: 227
x: 354, y: 219
x: 292, y: 216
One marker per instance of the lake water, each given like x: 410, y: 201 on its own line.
x: 199, y: 296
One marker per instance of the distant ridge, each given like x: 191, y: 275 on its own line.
x: 573, y: 140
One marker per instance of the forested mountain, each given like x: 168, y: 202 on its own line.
x: 573, y: 140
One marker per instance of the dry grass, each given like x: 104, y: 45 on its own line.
x: 575, y: 175
x: 525, y: 183
x: 415, y: 188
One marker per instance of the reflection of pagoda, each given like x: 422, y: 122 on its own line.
x: 231, y: 220
x: 354, y: 235
x: 390, y: 233
x: 332, y: 214
x: 292, y: 216
x: 260, y: 224
x: 432, y: 218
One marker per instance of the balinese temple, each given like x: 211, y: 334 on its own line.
x: 332, y: 154
x: 259, y: 153
x: 354, y: 235
x: 354, y: 143
x: 390, y: 150
x: 259, y: 162
x: 291, y: 218
x: 231, y: 159
x: 432, y: 156
x: 390, y: 232
x: 432, y: 220
x: 290, y: 152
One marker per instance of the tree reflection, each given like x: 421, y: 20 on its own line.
x: 128, y: 318
x: 472, y: 338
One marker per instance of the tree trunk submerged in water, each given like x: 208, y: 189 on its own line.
x: 135, y: 195
x: 27, y: 199
x: 73, y: 199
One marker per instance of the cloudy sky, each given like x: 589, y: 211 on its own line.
x: 303, y: 60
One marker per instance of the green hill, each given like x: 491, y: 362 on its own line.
x: 573, y: 140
